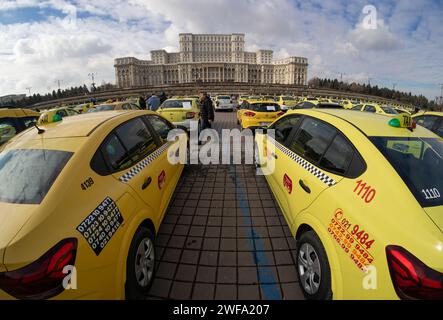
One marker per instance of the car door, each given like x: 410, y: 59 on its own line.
x: 171, y: 172
x: 133, y: 153
x: 301, y: 176
x: 272, y: 149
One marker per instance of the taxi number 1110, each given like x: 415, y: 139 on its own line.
x: 366, y: 192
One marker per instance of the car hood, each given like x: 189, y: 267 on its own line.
x: 12, y: 218
x: 436, y: 214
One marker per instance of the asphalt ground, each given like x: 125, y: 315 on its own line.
x: 224, y: 237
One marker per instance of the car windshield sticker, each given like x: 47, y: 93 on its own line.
x: 306, y: 165
x: 143, y: 164
x: 187, y: 105
x: 101, y: 224
x: 270, y: 108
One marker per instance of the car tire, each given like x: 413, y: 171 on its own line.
x: 313, y: 268
x: 140, y: 273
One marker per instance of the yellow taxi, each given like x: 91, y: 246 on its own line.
x: 431, y: 120
x: 14, y: 121
x: 347, y: 104
x: 85, y: 199
x: 54, y: 115
x: 119, y: 105
x: 376, y: 108
x: 253, y: 114
x: 286, y: 102
x: 362, y: 196
x: 181, y: 111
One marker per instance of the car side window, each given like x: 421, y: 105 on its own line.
x: 134, y: 107
x: 137, y: 139
x: 160, y: 126
x: 115, y: 154
x: 125, y: 146
x: 338, y: 157
x: 283, y: 128
x: 369, y: 109
x: 312, y: 139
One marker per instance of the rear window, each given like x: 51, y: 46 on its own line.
x: 264, y: 107
x: 27, y: 175
x: 172, y: 104
x: 389, y: 110
x: 419, y: 162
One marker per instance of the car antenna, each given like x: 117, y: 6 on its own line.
x: 40, y: 131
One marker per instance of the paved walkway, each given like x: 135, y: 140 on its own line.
x: 224, y: 237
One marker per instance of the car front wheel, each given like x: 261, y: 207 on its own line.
x: 140, y: 265
x: 313, y: 267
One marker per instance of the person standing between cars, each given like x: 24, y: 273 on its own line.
x: 154, y: 103
x: 206, y: 110
x: 142, y: 103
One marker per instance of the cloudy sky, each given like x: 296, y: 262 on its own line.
x: 45, y: 41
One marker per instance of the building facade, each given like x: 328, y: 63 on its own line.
x: 210, y: 58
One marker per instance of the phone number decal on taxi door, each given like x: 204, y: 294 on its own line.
x: 354, y: 241
x: 101, y: 224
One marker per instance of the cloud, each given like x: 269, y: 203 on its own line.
x: 379, y: 39
x: 406, y: 46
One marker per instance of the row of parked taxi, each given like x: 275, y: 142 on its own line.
x: 90, y: 191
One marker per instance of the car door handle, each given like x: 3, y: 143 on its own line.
x: 304, y: 186
x: 146, y: 183
x: 274, y: 155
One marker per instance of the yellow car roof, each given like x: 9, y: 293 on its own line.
x: 371, y: 124
x: 74, y: 126
x: 16, y: 113
x: 429, y: 113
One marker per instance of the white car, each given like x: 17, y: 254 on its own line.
x: 223, y: 102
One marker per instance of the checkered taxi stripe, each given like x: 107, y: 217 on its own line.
x: 143, y: 164
x: 305, y: 164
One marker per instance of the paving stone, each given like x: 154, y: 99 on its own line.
x: 248, y: 292
x: 203, y: 291
x: 226, y: 292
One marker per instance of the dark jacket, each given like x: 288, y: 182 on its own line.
x: 142, y: 103
x: 207, y: 109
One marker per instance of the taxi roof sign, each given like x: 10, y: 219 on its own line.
x: 402, y: 121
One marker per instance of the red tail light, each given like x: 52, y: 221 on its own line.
x: 43, y: 278
x: 413, y: 279
x: 190, y: 115
x: 280, y: 114
x: 249, y: 114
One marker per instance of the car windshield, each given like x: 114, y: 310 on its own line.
x: 27, y: 175
x: 288, y: 99
x: 265, y: 107
x: 389, y: 110
x: 419, y: 162
x: 104, y: 107
x: 172, y: 104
